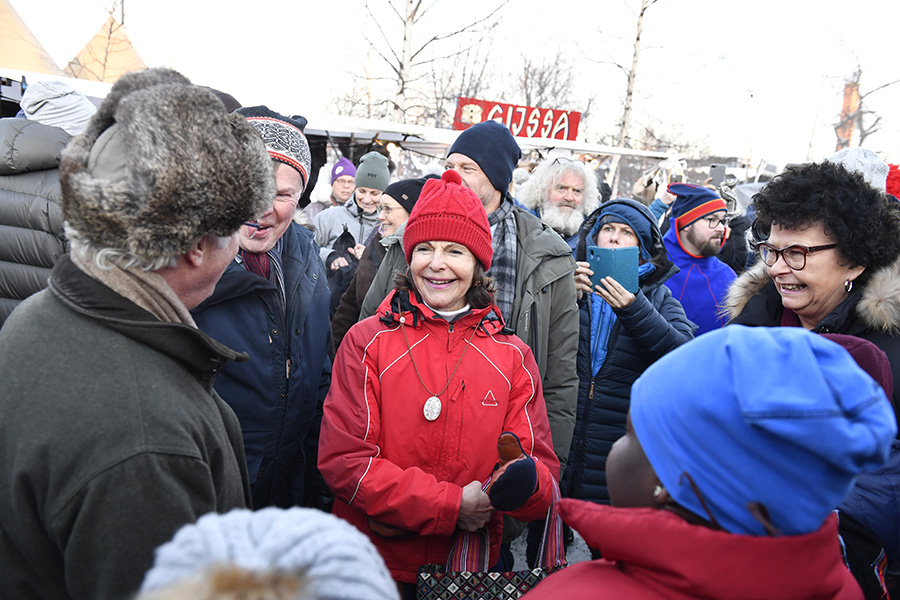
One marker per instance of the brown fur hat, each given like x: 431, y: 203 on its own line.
x: 171, y: 166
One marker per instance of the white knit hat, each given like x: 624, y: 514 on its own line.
x: 339, y: 562
x: 865, y: 163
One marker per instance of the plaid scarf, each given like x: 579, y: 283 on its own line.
x: 503, y: 265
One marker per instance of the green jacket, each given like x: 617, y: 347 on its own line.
x: 111, y: 438
x: 545, y: 315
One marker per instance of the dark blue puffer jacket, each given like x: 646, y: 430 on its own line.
x: 277, y: 395
x: 653, y: 325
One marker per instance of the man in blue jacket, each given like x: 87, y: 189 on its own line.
x: 696, y: 234
x: 272, y: 302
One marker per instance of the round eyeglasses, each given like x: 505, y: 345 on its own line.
x: 794, y: 256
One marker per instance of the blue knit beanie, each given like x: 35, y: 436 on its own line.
x: 494, y: 148
x: 779, y: 416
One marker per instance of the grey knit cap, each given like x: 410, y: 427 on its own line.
x: 161, y: 165
x: 373, y: 171
x: 339, y: 561
x: 865, y: 163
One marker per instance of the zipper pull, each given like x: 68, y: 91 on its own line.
x: 287, y: 370
x: 591, y: 391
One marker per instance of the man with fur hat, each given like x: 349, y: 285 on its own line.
x: 532, y: 271
x: 272, y: 302
x: 123, y: 439
x: 697, y: 232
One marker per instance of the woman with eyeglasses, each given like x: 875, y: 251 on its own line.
x: 829, y: 247
x: 393, y: 210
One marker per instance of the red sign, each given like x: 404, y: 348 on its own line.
x: 523, y: 121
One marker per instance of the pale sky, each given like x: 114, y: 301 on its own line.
x: 761, y: 80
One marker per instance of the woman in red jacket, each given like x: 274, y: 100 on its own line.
x: 421, y: 393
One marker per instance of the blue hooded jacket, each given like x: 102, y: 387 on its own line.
x: 700, y: 285
x: 651, y: 326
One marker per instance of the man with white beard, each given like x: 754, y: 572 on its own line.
x: 562, y: 192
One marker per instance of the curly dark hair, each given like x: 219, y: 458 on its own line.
x: 479, y: 295
x: 863, y: 222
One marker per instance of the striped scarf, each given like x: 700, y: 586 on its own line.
x: 503, y: 264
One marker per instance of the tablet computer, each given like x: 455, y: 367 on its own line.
x: 619, y: 263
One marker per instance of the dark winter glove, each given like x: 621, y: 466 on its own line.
x: 515, y: 477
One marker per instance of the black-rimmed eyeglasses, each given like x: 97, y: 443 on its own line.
x: 714, y: 222
x: 794, y: 256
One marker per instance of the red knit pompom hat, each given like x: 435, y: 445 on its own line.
x: 448, y: 212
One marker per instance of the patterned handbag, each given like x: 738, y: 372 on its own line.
x: 466, y: 573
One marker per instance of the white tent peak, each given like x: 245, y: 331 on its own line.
x: 19, y: 48
x: 107, y: 56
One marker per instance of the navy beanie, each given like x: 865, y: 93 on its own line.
x: 779, y: 416
x: 494, y: 148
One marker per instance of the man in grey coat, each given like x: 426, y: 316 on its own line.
x: 111, y: 436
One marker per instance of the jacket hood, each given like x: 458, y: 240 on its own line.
x: 659, y: 255
x: 878, y: 306
x: 29, y: 146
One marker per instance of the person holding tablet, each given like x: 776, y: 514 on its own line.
x: 621, y: 334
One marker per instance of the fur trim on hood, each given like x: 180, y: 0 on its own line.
x: 879, y: 306
x: 172, y: 166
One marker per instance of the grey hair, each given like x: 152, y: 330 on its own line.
x: 107, y: 258
x: 549, y: 173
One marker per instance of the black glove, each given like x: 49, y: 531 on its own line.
x: 515, y: 476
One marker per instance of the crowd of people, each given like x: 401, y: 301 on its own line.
x: 210, y: 392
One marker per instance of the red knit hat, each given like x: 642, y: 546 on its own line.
x: 448, y: 212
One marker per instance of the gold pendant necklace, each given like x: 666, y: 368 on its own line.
x: 432, y: 408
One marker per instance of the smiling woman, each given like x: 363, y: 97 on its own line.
x: 422, y: 392
x: 829, y: 244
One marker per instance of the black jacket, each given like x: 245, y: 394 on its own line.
x: 651, y: 326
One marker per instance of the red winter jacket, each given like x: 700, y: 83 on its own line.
x: 383, y: 459
x: 652, y: 554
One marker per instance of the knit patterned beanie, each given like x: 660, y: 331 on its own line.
x: 494, y: 148
x: 693, y: 202
x: 448, y: 212
x: 283, y: 136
